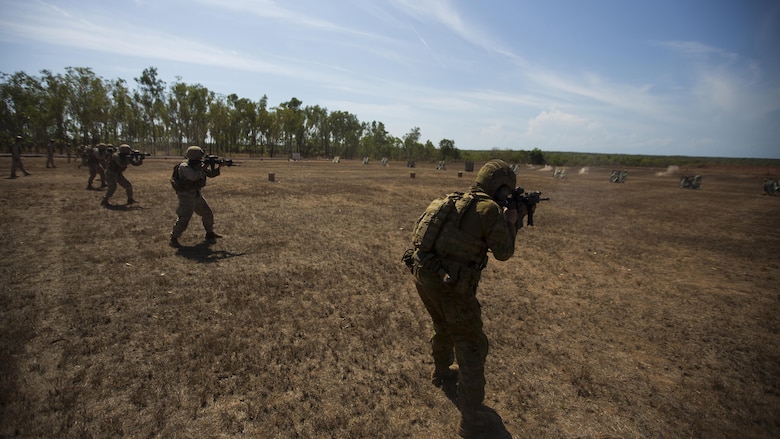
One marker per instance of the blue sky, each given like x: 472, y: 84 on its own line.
x: 661, y: 77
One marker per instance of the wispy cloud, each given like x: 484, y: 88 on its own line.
x: 443, y: 12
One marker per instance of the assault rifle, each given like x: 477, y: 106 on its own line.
x: 525, y: 204
x: 214, y: 160
x: 138, y: 155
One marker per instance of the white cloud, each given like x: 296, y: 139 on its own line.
x: 555, y: 120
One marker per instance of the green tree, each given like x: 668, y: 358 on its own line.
x: 88, y: 104
x: 292, y: 119
x: 411, y: 145
x: 265, y: 124
x: 536, y: 157
x: 21, y: 106
x: 122, y: 123
x: 219, y: 124
x: 55, y: 100
x: 150, y: 96
x: 317, y: 130
x: 345, y: 133
x: 448, y: 150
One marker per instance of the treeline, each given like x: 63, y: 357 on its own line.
x: 81, y: 108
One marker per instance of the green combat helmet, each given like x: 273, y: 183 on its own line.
x: 493, y: 175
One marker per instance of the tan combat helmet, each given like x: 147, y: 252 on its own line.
x: 125, y: 149
x: 493, y: 175
x: 194, y: 153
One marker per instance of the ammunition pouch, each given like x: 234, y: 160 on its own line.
x: 417, y: 260
x: 408, y: 259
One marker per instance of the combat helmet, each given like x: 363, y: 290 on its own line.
x: 194, y: 153
x: 125, y: 149
x: 493, y: 175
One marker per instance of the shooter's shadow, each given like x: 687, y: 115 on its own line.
x: 122, y: 207
x: 499, y: 431
x: 203, y: 253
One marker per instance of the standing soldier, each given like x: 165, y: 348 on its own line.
x: 50, y: 154
x: 451, y: 242
x: 16, y: 158
x: 95, y: 158
x: 115, y: 173
x: 188, y: 178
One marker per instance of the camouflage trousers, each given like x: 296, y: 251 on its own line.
x: 457, y: 326
x: 16, y: 163
x: 114, y: 179
x: 191, y: 202
x: 96, y: 169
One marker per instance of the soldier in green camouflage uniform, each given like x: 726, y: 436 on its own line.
x: 94, y: 158
x: 446, y: 278
x: 188, y: 180
x: 16, y: 158
x: 119, y: 162
x: 50, y: 154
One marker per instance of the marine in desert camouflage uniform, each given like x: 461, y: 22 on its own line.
x: 95, y: 157
x: 188, y: 180
x: 16, y: 158
x: 50, y: 154
x: 119, y: 162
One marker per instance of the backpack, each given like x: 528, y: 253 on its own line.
x: 175, y: 181
x: 431, y: 222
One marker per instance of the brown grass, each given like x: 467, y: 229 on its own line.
x: 636, y: 310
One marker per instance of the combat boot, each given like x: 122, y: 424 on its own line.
x: 131, y: 201
x: 105, y: 203
x: 174, y: 242
x: 211, y: 236
x: 441, y: 377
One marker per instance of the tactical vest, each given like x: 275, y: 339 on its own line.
x: 438, y: 229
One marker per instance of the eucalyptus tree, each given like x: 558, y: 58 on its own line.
x: 233, y: 130
x: 219, y: 123
x: 88, y: 103
x: 292, y: 119
x: 198, y: 102
x: 264, y: 124
x: 245, y: 116
x: 178, y: 113
x: 429, y: 151
x: 55, y: 99
x: 447, y: 149
x: 411, y: 145
x: 188, y: 114
x: 376, y: 140
x: 122, y: 118
x: 150, y: 96
x: 20, y: 111
x: 275, y: 133
x: 345, y: 133
x: 317, y: 131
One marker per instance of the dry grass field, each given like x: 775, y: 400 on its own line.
x: 634, y: 310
